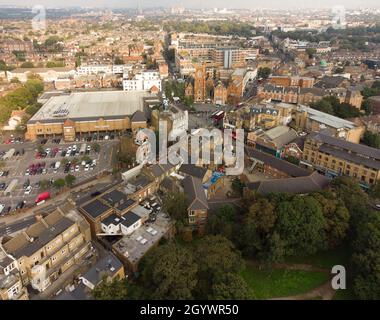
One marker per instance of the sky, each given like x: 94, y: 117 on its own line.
x: 250, y: 4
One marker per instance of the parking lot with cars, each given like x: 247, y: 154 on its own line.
x: 30, y: 168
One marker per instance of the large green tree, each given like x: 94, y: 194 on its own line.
x: 175, y: 205
x: 223, y: 221
x: 170, y: 272
x: 115, y: 289
x: 230, y: 286
x: 301, y: 224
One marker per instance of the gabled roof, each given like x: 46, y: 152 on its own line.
x: 313, y: 182
x: 357, y: 148
x: 196, y: 196
x: 193, y: 170
x: 279, y: 164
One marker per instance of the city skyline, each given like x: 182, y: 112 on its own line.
x: 239, y: 4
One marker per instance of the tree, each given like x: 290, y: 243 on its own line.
x: 118, y: 60
x: 311, y: 52
x: 111, y: 290
x: 323, y: 105
x: 59, y: 183
x: 55, y: 64
x: 175, y: 205
x: 215, y: 256
x: 264, y: 72
x: 371, y: 139
x: 170, y: 272
x: 27, y: 64
x: 261, y: 216
x: 301, y: 224
x: 256, y: 237
x: 337, y: 218
x: 223, y: 222
x: 69, y: 180
x: 238, y: 186
x: 127, y: 151
x: 230, y: 286
x: 332, y: 106
x: 366, y: 257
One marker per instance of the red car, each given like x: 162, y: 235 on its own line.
x: 43, y: 196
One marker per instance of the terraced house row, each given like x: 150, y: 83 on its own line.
x: 335, y: 157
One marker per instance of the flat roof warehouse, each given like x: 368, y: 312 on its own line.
x: 82, y: 106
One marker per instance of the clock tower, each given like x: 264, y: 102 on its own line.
x: 200, y: 83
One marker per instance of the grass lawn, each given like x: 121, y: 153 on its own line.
x: 273, y: 283
x: 324, y: 259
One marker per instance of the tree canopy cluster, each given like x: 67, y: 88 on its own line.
x: 371, y: 139
x: 331, y: 105
x: 21, y: 98
x: 205, y: 270
x: 211, y: 27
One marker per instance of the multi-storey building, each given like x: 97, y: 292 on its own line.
x: 47, y: 74
x: 10, y: 46
x: 267, y: 115
x: 288, y: 81
x: 335, y: 157
x: 43, y: 252
x: 309, y: 119
x: 197, y: 206
x: 145, y: 80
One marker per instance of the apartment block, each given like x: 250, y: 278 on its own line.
x: 43, y: 252
x: 335, y: 157
x: 288, y: 81
x: 145, y: 81
x: 309, y: 119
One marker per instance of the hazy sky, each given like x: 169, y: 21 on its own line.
x: 199, y: 3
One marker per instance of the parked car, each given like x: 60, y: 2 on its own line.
x: 26, y: 183
x: 28, y: 190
